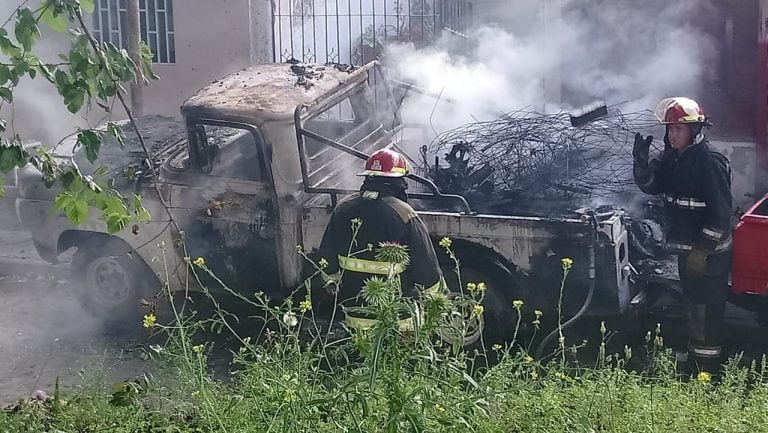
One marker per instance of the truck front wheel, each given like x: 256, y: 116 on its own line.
x: 111, y: 280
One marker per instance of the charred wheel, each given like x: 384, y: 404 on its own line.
x: 111, y: 281
x: 496, y: 323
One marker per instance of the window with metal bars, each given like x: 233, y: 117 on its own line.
x: 110, y: 24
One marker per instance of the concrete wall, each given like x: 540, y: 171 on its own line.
x: 213, y: 38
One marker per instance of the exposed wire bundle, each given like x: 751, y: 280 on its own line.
x: 543, y: 154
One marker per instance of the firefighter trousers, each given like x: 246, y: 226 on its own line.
x: 706, y: 298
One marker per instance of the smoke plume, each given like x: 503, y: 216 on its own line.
x: 541, y: 58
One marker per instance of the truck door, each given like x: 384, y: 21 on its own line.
x: 226, y: 208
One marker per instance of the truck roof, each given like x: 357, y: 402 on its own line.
x: 268, y: 91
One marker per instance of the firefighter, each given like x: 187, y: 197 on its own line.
x: 382, y: 208
x: 695, y: 182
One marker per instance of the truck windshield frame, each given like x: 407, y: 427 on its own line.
x: 359, y: 95
x: 202, y: 153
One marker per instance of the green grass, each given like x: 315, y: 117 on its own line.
x: 293, y: 375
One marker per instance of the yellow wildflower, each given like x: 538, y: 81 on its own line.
x: 517, y: 303
x: 149, y: 321
x: 534, y: 375
x: 478, y: 310
x: 198, y: 349
x: 538, y: 313
x: 471, y: 287
x: 305, y: 305
x: 528, y: 359
x: 323, y: 263
x: 481, y: 287
x: 299, y: 249
x: 439, y: 407
x: 567, y: 263
x: 496, y: 347
x: 445, y: 242
x: 199, y: 262
x: 704, y: 377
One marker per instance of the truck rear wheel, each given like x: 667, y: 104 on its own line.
x: 111, y: 280
x: 496, y: 325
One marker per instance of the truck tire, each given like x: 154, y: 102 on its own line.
x: 499, y: 318
x: 111, y: 280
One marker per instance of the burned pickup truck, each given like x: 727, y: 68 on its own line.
x: 255, y: 169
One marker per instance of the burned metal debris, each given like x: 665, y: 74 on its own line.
x: 307, y: 72
x: 540, y: 155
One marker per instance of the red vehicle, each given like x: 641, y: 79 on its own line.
x: 750, y: 252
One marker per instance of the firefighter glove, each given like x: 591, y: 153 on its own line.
x: 641, y: 149
x: 696, y: 262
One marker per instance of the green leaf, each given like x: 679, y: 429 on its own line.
x: 26, y: 29
x: 77, y: 210
x: 62, y: 79
x: 114, y: 205
x: 114, y: 130
x: 7, y: 46
x: 116, y: 221
x: 67, y: 179
x: 6, y: 94
x: 5, y: 74
x: 74, y: 99
x: 57, y: 22
x: 12, y: 155
x: 91, y: 142
x: 62, y: 201
x: 87, y: 6
x: 142, y: 214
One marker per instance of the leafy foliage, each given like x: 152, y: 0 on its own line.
x: 89, y: 73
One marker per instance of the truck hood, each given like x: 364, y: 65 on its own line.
x: 165, y: 137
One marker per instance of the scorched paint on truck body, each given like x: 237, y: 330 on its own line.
x: 268, y: 152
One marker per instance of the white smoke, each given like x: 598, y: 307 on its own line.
x: 620, y: 51
x: 38, y: 111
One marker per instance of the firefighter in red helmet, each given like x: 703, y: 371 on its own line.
x: 385, y: 215
x: 695, y: 182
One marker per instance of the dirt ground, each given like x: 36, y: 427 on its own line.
x: 44, y: 334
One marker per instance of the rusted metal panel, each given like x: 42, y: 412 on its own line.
x: 516, y: 238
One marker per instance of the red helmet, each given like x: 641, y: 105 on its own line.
x: 386, y: 163
x: 679, y: 110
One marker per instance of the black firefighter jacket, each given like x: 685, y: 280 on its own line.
x: 696, y: 185
x: 384, y: 218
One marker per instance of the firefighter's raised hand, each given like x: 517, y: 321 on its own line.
x: 696, y: 263
x: 641, y: 149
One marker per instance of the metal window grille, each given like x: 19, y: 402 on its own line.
x: 110, y: 24
x: 357, y: 31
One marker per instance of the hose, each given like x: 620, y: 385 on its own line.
x: 587, y: 301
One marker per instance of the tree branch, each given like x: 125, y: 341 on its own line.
x: 132, y: 119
